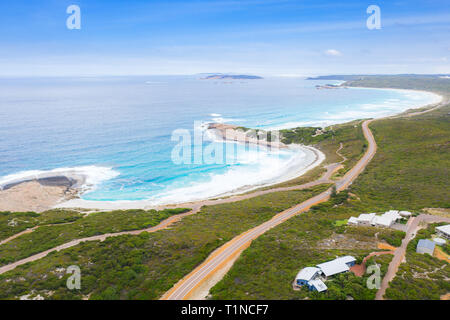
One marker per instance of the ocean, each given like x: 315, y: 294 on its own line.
x: 118, y: 131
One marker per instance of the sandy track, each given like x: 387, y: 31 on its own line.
x: 400, y: 252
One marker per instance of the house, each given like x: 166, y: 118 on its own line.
x: 405, y: 214
x: 317, y: 285
x: 382, y: 221
x: 392, y: 214
x: 353, y: 221
x: 425, y: 246
x: 306, y: 275
x: 439, y: 241
x: 365, y: 219
x: 336, y: 266
x: 309, y: 276
x: 444, y: 231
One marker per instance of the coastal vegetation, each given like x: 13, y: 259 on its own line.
x: 330, y: 139
x: 422, y: 276
x: 146, y: 266
x: 57, y: 227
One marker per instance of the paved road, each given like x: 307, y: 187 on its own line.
x: 399, y: 253
x: 187, y: 286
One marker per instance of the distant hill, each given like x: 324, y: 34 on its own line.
x: 350, y: 77
x: 232, y: 77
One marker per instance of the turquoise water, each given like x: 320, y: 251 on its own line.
x: 117, y: 131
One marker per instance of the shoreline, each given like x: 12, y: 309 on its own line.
x: 298, y: 170
x: 68, y: 193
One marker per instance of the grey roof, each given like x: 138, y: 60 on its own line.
x: 445, y: 229
x: 333, y: 267
x: 318, y: 285
x: 307, y: 273
x: 424, y: 243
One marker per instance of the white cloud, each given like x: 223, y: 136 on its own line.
x: 333, y: 52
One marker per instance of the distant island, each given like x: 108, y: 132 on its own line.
x: 219, y: 76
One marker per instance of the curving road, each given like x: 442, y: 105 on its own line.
x: 187, y: 286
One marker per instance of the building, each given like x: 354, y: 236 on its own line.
x: 365, y: 219
x: 307, y: 274
x: 444, y: 231
x: 405, y: 214
x: 382, y: 221
x: 425, y: 246
x: 392, y: 214
x: 386, y: 220
x: 439, y: 241
x: 336, y: 266
x: 317, y: 285
x: 310, y: 276
x: 353, y: 221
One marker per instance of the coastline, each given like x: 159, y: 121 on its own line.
x: 296, y: 171
x: 34, y: 195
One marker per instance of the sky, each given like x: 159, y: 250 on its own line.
x: 264, y: 37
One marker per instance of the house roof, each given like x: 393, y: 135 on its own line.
x: 445, y: 229
x: 391, y: 214
x: 333, y: 267
x: 383, y: 220
x: 425, y: 243
x: 346, y: 259
x: 440, y: 241
x: 318, y: 285
x: 307, y: 273
x: 405, y: 213
x: 366, y: 217
x: 352, y: 220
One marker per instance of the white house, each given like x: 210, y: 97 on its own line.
x: 382, y: 221
x: 309, y: 276
x: 366, y: 219
x: 444, y: 231
x: 353, y: 221
x: 405, y: 214
x: 392, y: 214
x: 338, y: 265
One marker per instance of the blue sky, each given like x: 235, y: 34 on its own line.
x: 267, y: 37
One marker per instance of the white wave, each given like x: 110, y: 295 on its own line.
x: 225, y: 120
x: 255, y: 169
x: 87, y: 177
